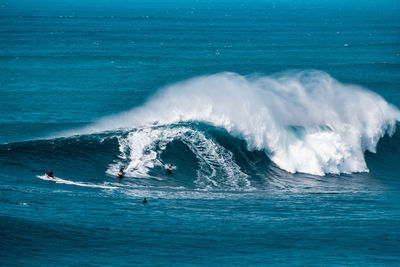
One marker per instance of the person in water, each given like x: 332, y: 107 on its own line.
x: 120, y: 174
x: 50, y: 174
x: 169, y: 169
x: 144, y: 201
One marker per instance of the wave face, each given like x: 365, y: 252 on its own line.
x: 142, y: 151
x: 304, y: 121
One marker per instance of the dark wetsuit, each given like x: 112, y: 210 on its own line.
x: 169, y: 170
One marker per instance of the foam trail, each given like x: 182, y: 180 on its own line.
x: 305, y: 121
x: 63, y: 181
x: 142, y: 148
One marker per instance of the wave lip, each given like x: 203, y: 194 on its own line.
x: 142, y: 148
x: 305, y: 121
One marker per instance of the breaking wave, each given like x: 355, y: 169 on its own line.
x: 216, y: 167
x: 305, y: 122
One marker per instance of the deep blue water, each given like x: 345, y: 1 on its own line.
x: 269, y: 111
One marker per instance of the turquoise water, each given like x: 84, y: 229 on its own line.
x: 270, y: 112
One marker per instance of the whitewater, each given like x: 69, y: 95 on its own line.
x: 279, y: 118
x: 305, y: 121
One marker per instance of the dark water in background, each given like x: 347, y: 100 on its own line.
x: 70, y: 63
x: 64, y: 65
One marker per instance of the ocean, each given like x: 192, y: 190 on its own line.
x: 279, y: 119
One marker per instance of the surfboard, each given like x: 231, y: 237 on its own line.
x: 48, y: 178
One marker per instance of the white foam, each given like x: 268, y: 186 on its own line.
x: 62, y: 181
x: 338, y: 122
x: 143, y: 147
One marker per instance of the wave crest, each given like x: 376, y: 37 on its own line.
x: 142, y: 148
x: 304, y: 121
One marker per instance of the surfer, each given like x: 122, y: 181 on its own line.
x: 169, y: 169
x: 120, y: 174
x: 144, y: 201
x: 50, y: 174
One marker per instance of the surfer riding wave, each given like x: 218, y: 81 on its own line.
x: 303, y: 121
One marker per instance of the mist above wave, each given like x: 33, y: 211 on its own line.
x: 305, y: 121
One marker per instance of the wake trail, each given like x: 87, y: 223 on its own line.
x: 63, y: 181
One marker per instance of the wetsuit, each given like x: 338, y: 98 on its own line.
x: 169, y: 170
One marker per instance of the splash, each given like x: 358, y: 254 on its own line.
x: 141, y: 148
x: 304, y: 121
x: 63, y: 181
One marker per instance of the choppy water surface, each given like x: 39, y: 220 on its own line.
x: 279, y: 120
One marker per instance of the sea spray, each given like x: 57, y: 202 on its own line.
x: 305, y: 121
x: 141, y: 150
